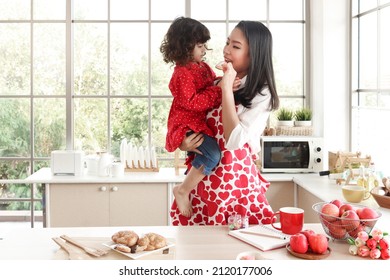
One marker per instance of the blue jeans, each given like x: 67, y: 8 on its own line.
x: 211, y: 155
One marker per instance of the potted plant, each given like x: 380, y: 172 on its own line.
x: 303, y: 117
x: 285, y: 117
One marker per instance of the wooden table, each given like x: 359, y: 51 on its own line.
x: 191, y: 243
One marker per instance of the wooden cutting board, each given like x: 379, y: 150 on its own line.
x: 97, y: 242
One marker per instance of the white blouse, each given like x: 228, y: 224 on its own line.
x: 252, y: 122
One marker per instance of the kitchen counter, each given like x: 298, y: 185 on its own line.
x: 326, y: 189
x: 321, y: 187
x: 44, y: 175
x: 191, y: 243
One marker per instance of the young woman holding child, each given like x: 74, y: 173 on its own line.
x: 236, y: 186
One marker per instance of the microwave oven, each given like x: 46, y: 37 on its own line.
x: 291, y: 154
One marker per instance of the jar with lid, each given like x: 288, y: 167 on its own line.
x: 104, y: 164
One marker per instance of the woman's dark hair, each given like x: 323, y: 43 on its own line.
x: 181, y: 38
x: 260, y: 72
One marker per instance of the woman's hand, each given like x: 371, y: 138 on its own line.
x: 236, y: 84
x: 192, y: 142
x: 229, y: 78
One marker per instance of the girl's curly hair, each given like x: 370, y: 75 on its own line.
x: 181, y: 38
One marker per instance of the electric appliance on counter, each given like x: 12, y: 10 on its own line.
x: 67, y: 162
x: 291, y: 154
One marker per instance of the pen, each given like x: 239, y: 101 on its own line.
x: 264, y: 234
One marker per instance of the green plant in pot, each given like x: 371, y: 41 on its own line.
x: 285, y: 117
x: 303, y: 117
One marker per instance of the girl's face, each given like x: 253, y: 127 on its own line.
x: 236, y: 51
x: 199, y: 52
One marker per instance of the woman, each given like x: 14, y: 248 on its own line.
x: 235, y: 185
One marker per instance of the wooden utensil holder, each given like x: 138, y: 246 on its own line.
x: 137, y: 167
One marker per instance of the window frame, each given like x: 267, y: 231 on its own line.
x: 69, y: 22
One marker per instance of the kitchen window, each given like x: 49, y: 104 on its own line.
x: 76, y: 77
x: 84, y: 74
x: 370, y: 97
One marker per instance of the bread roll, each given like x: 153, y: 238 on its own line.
x: 125, y: 237
x: 152, y: 241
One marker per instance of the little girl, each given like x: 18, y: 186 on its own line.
x: 194, y: 95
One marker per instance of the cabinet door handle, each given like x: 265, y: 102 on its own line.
x: 103, y: 189
x: 114, y: 189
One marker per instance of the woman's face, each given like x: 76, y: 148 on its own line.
x: 236, y: 51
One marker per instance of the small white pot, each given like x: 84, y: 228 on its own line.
x: 286, y: 123
x: 302, y: 123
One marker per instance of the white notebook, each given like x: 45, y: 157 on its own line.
x: 264, y: 237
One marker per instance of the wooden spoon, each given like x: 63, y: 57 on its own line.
x: 72, y: 254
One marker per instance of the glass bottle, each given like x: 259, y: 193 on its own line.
x: 373, y: 180
x: 362, y: 179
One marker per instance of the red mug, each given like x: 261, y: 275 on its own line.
x: 291, y: 219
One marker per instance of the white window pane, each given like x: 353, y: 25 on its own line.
x: 15, y: 114
x: 355, y: 7
x: 368, y: 52
x: 160, y: 72
x: 49, y: 53
x: 15, y: 58
x: 366, y: 5
x: 208, y: 10
x: 90, y: 59
x: 90, y: 9
x: 216, y: 44
x: 50, y: 9
x: 286, y: 10
x: 160, y: 110
x: 49, y: 125
x: 129, y: 9
x: 384, y: 49
x: 288, y: 58
x: 90, y: 124
x: 247, y: 9
x: 167, y: 9
x: 129, y: 118
x: 129, y: 59
x: 15, y: 9
x: 362, y: 122
x: 355, y: 54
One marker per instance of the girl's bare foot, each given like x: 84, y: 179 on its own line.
x: 182, y: 201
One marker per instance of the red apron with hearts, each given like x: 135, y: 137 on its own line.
x: 235, y: 187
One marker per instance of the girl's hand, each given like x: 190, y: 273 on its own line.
x: 192, y: 142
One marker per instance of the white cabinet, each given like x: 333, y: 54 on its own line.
x: 132, y: 204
